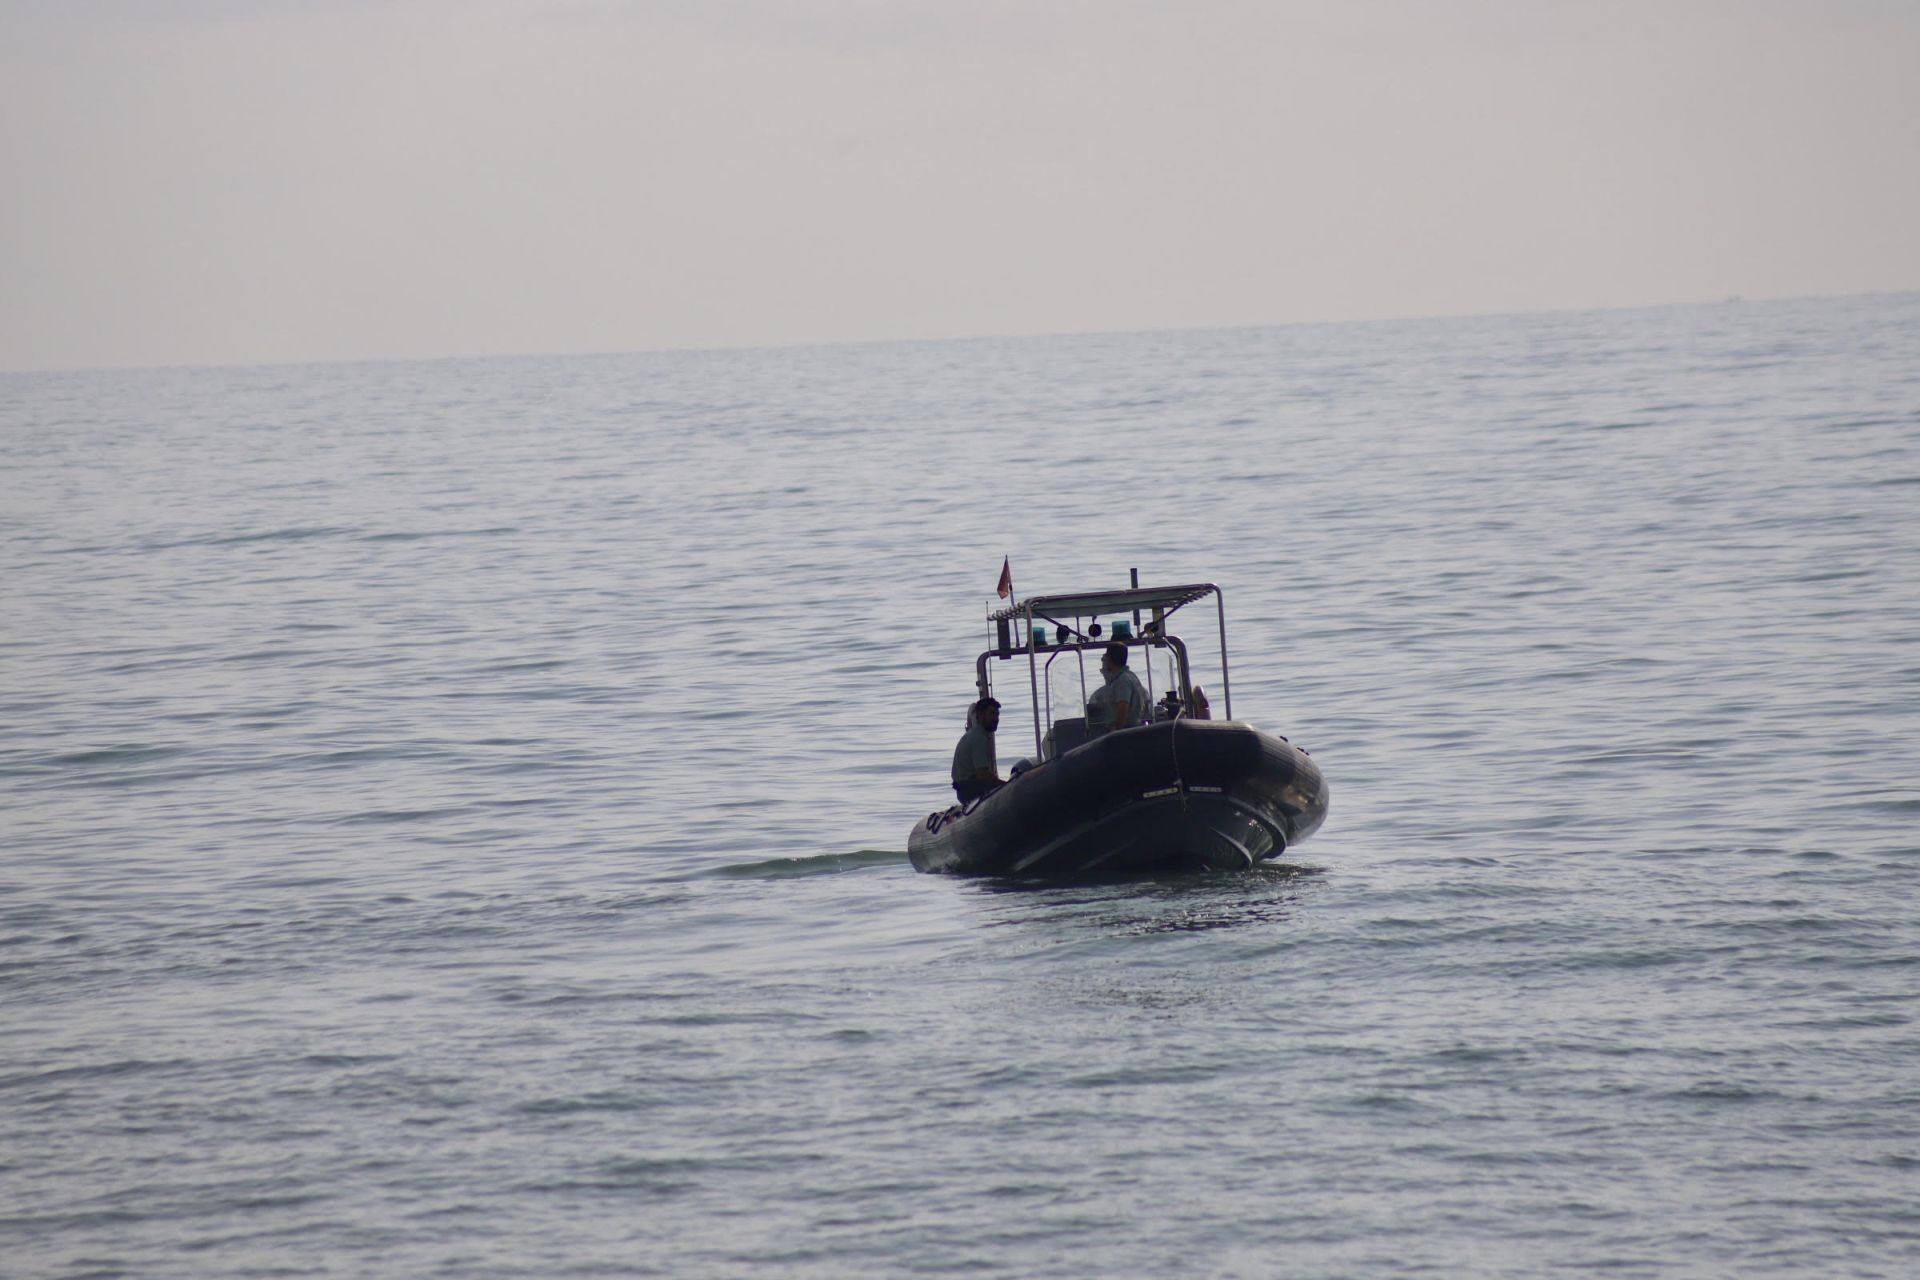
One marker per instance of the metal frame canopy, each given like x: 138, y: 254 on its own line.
x: 1077, y: 605
x: 1085, y: 604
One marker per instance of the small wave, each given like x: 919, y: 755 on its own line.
x: 1722, y: 1091
x: 423, y: 534
x: 344, y: 1059
x: 264, y: 655
x: 586, y: 1103
x: 402, y: 815
x: 1895, y: 807
x: 91, y: 1071
x: 816, y: 865
x: 125, y: 753
x: 296, y: 534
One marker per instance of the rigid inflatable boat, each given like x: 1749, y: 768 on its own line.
x: 1178, y: 790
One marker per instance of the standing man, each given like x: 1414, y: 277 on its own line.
x: 1121, y: 702
x: 975, y: 771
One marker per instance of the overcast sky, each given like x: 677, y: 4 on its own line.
x: 225, y: 181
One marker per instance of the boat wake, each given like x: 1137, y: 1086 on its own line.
x: 816, y: 865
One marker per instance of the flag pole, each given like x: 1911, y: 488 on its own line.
x: 1005, y: 592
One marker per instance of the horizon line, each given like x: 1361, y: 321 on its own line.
x: 209, y: 366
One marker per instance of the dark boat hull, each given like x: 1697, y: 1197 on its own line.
x: 1180, y: 792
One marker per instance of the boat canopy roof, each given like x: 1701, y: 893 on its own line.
x: 1089, y: 604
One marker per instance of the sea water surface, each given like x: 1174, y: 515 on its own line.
x: 454, y: 813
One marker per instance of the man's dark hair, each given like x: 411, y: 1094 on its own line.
x: 1117, y: 654
x: 984, y: 703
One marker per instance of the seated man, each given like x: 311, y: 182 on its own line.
x: 1121, y: 702
x: 975, y: 771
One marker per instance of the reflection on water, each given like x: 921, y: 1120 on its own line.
x: 1159, y: 902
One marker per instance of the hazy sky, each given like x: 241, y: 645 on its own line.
x: 251, y: 180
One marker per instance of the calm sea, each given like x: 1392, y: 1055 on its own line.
x: 454, y: 813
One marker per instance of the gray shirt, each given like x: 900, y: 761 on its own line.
x: 974, y: 753
x: 1124, y: 690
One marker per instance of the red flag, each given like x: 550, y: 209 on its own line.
x: 1005, y: 588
